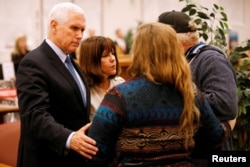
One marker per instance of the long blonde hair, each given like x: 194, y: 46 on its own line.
x: 17, y: 50
x: 159, y: 56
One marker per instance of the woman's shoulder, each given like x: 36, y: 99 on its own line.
x: 117, y: 80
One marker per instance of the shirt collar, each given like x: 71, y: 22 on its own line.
x: 194, y: 49
x: 56, y: 49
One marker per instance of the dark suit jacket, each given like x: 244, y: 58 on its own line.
x: 51, y: 108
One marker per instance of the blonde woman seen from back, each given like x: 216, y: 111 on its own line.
x: 151, y: 119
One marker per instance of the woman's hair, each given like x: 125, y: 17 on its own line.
x: 17, y: 50
x: 91, y: 51
x: 61, y: 11
x: 159, y: 56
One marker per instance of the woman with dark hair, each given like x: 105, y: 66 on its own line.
x: 99, y: 63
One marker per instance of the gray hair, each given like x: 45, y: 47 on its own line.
x: 61, y: 11
x: 188, y: 38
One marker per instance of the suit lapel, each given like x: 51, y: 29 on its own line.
x: 61, y: 68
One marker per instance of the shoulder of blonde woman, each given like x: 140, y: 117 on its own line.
x: 119, y: 80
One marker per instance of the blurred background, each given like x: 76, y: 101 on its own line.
x: 104, y: 17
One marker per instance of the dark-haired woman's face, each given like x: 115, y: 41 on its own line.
x: 108, y: 63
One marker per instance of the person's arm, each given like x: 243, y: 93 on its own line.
x: 33, y: 99
x: 83, y: 144
x: 216, y: 79
x: 35, y: 110
x: 232, y: 123
x: 105, y: 128
x: 214, y: 132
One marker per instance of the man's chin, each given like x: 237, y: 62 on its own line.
x: 72, y: 49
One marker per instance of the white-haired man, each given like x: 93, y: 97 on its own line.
x: 54, y: 98
x: 211, y: 71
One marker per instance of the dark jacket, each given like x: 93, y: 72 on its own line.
x: 214, y: 75
x: 51, y: 108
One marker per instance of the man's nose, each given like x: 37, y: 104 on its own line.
x: 79, y: 34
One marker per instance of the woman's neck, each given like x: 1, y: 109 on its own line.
x: 104, y: 85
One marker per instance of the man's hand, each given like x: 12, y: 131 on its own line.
x: 83, y: 144
x: 232, y: 123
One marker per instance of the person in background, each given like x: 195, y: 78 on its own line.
x: 54, y: 97
x: 212, y: 72
x: 19, y: 51
x: 151, y: 119
x: 120, y: 41
x: 99, y: 63
x: 91, y: 32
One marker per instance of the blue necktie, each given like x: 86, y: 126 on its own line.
x: 73, y: 73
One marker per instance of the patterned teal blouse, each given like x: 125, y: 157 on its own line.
x: 138, y: 121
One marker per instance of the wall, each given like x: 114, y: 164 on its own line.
x: 16, y: 18
x: 238, y: 12
x: 30, y: 17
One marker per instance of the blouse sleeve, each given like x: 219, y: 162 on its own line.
x: 105, y: 128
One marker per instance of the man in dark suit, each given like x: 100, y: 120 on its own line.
x: 54, y: 109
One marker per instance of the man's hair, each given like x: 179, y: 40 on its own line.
x: 189, y: 38
x: 60, y: 11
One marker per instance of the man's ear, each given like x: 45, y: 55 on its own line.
x: 53, y: 26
